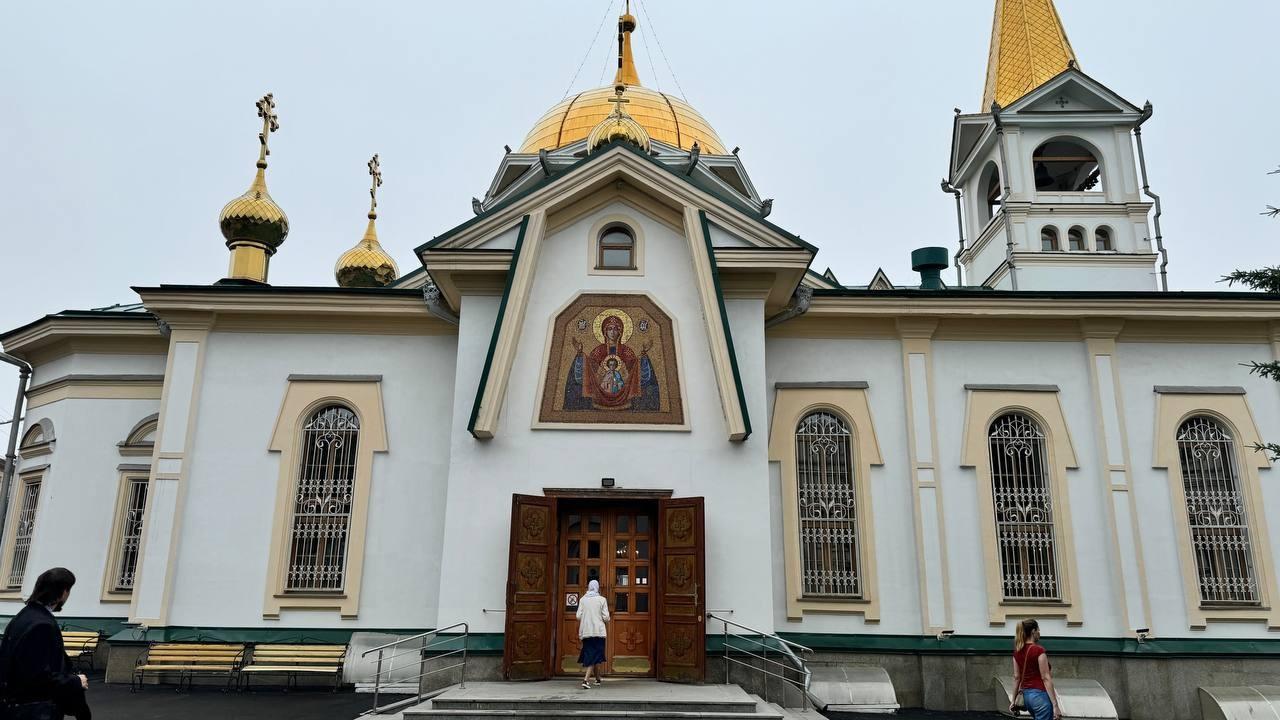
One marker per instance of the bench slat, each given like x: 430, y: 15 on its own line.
x: 290, y: 668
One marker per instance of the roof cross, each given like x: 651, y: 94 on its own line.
x: 270, y: 123
x: 618, y: 101
x: 375, y: 172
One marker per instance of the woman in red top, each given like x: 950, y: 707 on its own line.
x: 1031, y: 673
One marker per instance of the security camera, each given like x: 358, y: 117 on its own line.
x: 1143, y: 634
x: 945, y: 634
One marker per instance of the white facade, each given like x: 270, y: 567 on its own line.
x: 446, y: 379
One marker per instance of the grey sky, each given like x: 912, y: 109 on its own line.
x: 125, y: 127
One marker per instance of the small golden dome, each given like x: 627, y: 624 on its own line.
x: 254, y: 216
x: 366, y: 264
x: 618, y: 126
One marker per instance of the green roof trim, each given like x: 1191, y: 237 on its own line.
x: 1000, y: 645
x: 497, y: 327
x: 971, y: 291
x: 557, y: 175
x: 144, y: 317
x: 724, y: 323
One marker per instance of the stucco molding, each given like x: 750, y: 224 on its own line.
x: 637, y: 249
x: 1233, y: 411
x: 95, y: 387
x: 26, y: 476
x: 790, y: 406
x: 126, y: 474
x: 300, y: 400
x: 1046, y: 408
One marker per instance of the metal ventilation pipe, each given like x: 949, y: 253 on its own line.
x: 10, y: 455
x: 930, y: 262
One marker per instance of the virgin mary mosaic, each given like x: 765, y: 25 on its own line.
x: 612, y: 361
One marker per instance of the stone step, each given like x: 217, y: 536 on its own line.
x: 539, y: 714
x: 615, y: 699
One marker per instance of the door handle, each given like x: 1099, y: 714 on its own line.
x: 695, y: 600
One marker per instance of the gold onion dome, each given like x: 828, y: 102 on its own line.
x: 367, y: 264
x: 618, y: 126
x: 254, y: 217
x: 662, y: 117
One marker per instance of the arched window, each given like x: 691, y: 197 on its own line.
x: 993, y: 190
x: 1075, y: 239
x: 828, y: 507
x: 616, y: 249
x: 1220, y: 538
x: 1049, y: 238
x: 1102, y: 239
x: 1023, y: 508
x: 1066, y: 166
x: 27, y: 496
x: 322, y: 503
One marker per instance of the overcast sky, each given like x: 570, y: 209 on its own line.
x: 124, y: 127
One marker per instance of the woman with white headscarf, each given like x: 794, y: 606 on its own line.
x: 593, y: 613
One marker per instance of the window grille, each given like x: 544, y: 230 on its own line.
x: 130, y: 534
x: 322, y: 504
x: 828, y: 507
x: 1023, y: 509
x: 23, y: 531
x: 1216, y: 513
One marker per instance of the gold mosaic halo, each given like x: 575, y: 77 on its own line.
x: 598, y: 326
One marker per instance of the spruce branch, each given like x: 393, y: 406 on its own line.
x: 1271, y: 449
x: 1268, y: 370
x: 1265, y: 279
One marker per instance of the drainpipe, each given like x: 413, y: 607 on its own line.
x: 798, y: 306
x: 1004, y: 198
x: 435, y: 303
x: 947, y: 187
x: 1147, y: 112
x: 10, y: 456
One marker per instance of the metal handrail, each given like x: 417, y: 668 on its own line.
x: 421, y: 651
x: 785, y: 647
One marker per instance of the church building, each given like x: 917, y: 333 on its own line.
x: 618, y: 369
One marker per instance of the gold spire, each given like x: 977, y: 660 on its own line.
x: 1028, y: 47
x: 253, y: 224
x: 367, y: 264
x: 618, y: 125
x: 626, y: 61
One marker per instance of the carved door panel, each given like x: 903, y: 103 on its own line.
x: 682, y: 643
x: 531, y: 606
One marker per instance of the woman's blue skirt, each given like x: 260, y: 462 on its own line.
x: 592, y: 651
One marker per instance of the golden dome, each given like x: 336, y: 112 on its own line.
x: 254, y: 216
x: 665, y: 118
x: 366, y: 264
x: 618, y: 126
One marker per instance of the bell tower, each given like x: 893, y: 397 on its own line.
x: 1048, y: 173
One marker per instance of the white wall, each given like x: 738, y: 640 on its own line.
x: 227, y: 517
x: 97, y: 364
x: 732, y: 477
x: 78, y: 498
x: 1143, y: 366
x: 879, y: 363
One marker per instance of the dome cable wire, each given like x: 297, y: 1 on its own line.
x: 592, y: 46
x: 649, y: 22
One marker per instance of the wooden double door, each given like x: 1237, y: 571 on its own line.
x: 649, y: 558
x: 614, y: 545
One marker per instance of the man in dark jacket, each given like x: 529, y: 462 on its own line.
x: 36, y: 678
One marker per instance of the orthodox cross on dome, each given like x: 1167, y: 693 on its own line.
x: 375, y: 173
x: 618, y: 101
x: 270, y: 123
